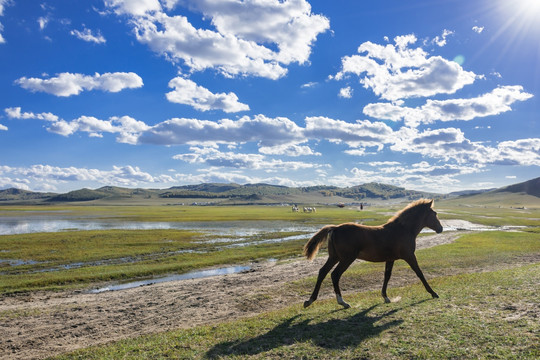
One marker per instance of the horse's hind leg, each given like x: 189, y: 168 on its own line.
x: 387, y: 274
x: 336, y: 275
x: 414, y: 265
x: 322, y: 274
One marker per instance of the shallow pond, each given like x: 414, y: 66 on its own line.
x: 34, y: 224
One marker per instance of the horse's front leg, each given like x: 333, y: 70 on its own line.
x: 411, y: 260
x: 387, y: 274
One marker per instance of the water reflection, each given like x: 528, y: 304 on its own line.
x: 186, y: 276
x: 12, y: 226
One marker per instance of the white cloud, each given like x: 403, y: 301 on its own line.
x: 363, y: 133
x: 189, y: 93
x: 52, y: 176
x: 400, y: 72
x: 67, y: 84
x: 213, y: 157
x: 478, y: 29
x: 3, y: 127
x: 127, y: 128
x: 16, y: 113
x: 493, y: 103
x: 239, y: 44
x: 261, y: 129
x: 87, y: 35
x: 288, y: 150
x: 42, y: 22
x: 345, y: 92
x: 133, y: 7
x: 281, y: 136
x: 519, y: 152
x: 441, y: 40
x: 3, y: 4
x: 450, y: 144
x: 289, y: 24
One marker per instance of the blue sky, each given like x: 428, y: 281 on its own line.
x: 429, y: 95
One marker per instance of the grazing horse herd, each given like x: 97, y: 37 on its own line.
x: 306, y: 209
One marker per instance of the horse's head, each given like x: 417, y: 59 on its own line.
x: 432, y: 221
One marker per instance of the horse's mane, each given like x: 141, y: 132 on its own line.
x: 409, y: 214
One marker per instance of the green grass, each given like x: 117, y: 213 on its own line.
x: 488, y: 306
x: 488, y: 309
x: 194, y: 213
x: 490, y: 315
x: 120, y: 255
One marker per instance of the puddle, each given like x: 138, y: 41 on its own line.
x: 16, y: 262
x: 186, y: 276
x: 464, y: 225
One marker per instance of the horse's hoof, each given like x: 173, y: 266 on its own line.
x: 307, y: 303
x: 346, y: 306
x: 435, y: 296
x: 387, y: 300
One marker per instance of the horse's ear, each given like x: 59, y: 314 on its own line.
x: 431, y: 203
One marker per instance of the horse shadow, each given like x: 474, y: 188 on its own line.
x: 332, y: 334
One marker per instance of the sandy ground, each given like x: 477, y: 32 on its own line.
x: 38, y: 325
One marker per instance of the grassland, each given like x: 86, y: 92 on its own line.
x: 488, y: 283
x: 75, y: 259
x: 488, y: 309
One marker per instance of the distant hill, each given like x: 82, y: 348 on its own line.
x: 78, y: 195
x: 18, y: 194
x: 469, y: 192
x: 531, y: 187
x: 525, y: 194
x: 255, y: 193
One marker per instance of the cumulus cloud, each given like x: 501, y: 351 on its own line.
x: 243, y: 39
x: 398, y: 71
x: 363, y: 133
x: 126, y: 127
x: 88, y: 36
x: 281, y: 136
x: 496, y: 102
x: 345, y: 92
x: 288, y: 150
x: 288, y: 24
x: 189, y: 93
x: 441, y: 40
x: 133, y: 7
x: 16, y: 113
x: 3, y: 127
x: 451, y: 144
x: 51, y: 176
x: 212, y: 156
x: 68, y: 84
x: 260, y: 129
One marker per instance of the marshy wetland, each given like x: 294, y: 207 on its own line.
x: 191, y: 279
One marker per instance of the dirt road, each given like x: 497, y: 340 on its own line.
x: 38, y: 325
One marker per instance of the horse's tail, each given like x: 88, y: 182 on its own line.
x: 312, y: 246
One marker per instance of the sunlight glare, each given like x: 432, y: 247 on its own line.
x: 525, y: 11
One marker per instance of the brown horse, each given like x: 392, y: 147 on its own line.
x: 389, y: 242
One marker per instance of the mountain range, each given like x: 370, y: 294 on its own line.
x: 253, y: 194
